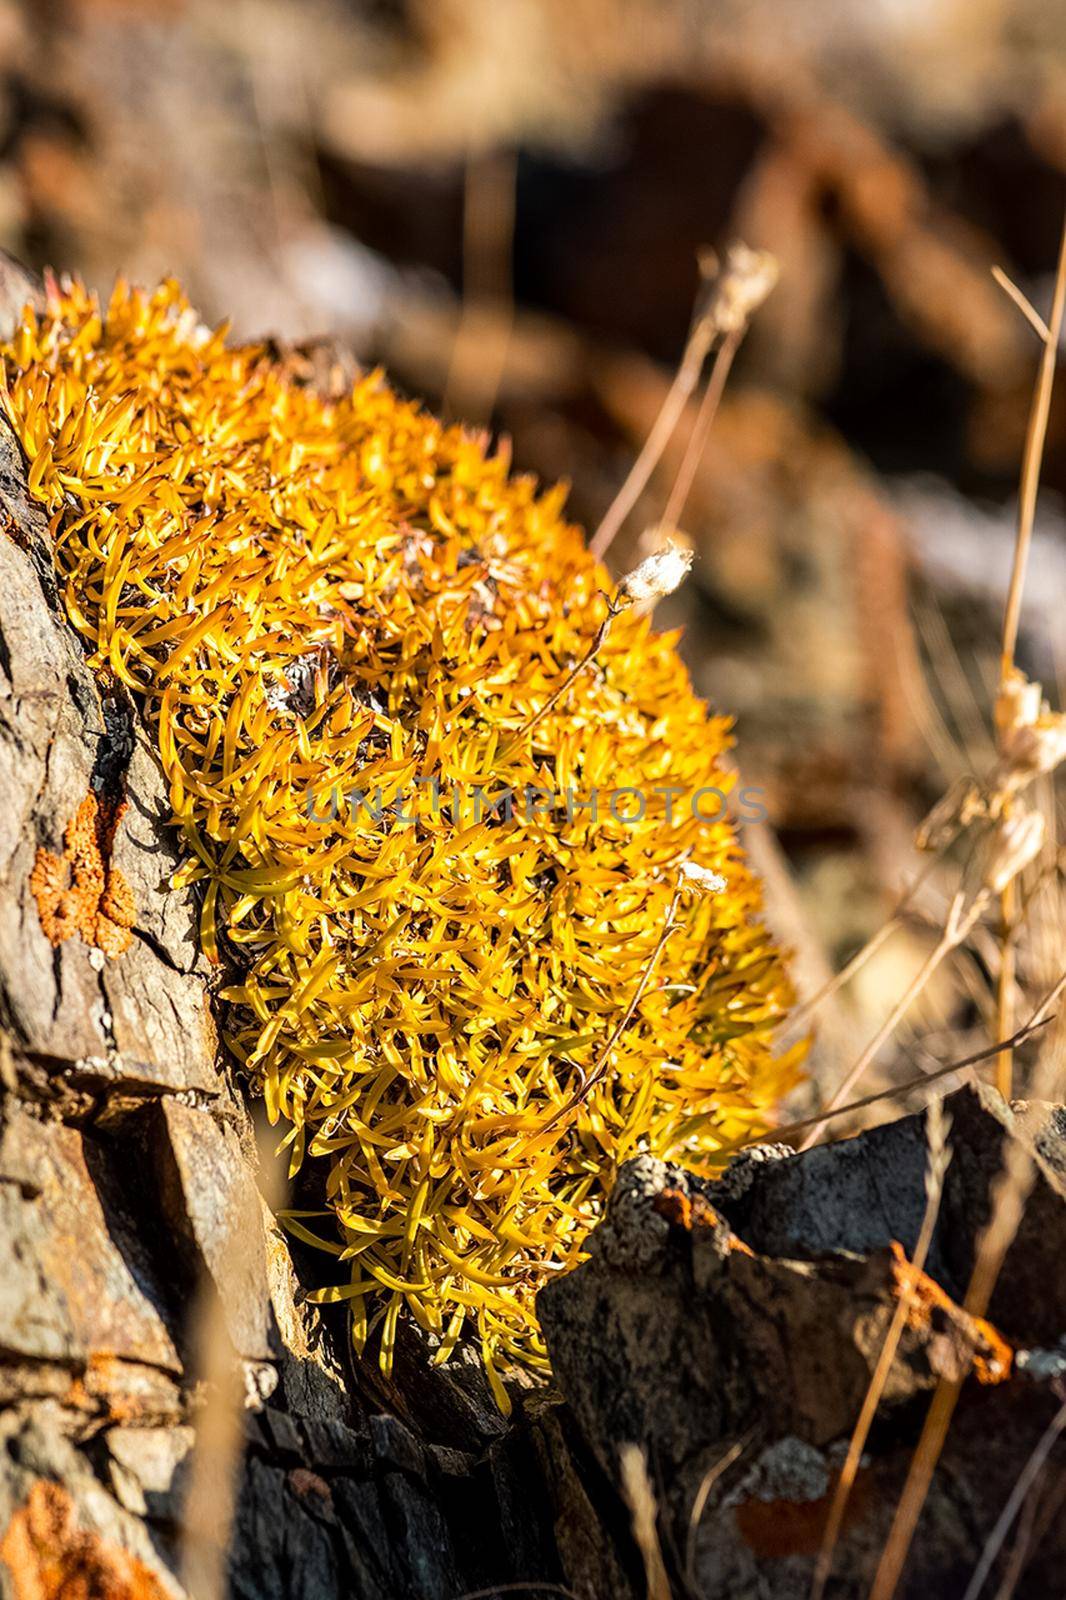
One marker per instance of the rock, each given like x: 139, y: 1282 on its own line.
x: 860, y: 1194
x: 148, y: 1468
x: 732, y: 1328
x: 210, y: 1200
x: 136, y: 1021
x: 76, y: 1286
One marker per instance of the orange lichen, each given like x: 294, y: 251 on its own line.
x: 993, y: 1357
x: 692, y: 1212
x: 50, y: 1558
x: 80, y: 892
x: 304, y: 1483
x: 473, y: 1017
x: 777, y: 1528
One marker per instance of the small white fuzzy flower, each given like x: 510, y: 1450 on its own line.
x: 1040, y: 747
x: 657, y: 576
x: 1015, y: 843
x: 1032, y: 737
x: 701, y: 879
x: 736, y: 287
x: 1018, y: 703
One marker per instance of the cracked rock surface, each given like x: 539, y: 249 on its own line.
x: 731, y: 1329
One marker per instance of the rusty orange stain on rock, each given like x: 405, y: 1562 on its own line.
x: 774, y: 1528
x: 993, y: 1357
x: 691, y: 1212
x: 80, y: 892
x: 51, y: 1558
x: 303, y: 1482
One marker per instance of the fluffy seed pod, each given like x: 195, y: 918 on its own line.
x: 657, y: 576
x: 1016, y: 841
x: 736, y: 288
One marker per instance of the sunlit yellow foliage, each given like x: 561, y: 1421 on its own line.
x: 314, y: 596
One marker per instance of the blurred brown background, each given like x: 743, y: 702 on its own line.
x: 502, y: 200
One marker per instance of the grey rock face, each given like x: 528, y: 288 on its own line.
x: 731, y: 1328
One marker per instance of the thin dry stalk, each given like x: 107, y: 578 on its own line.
x: 479, y: 353
x: 209, y: 1505
x: 657, y: 576
x: 703, y: 1494
x: 614, y: 606
x: 1036, y: 1520
x: 1005, y: 982
x: 948, y: 672
x: 599, y: 1069
x: 961, y: 920
x: 1015, y: 1500
x: 937, y: 1127
x: 686, y: 378
x: 733, y: 291
x: 801, y: 1012
x: 636, y: 1487
x: 530, y: 1588
x: 207, y: 1518
x: 1025, y: 306
x: 1010, y: 1192
x: 1005, y: 850
x: 712, y: 399
x: 922, y: 706
x: 1031, y: 462
x: 789, y: 1129
x: 1036, y: 435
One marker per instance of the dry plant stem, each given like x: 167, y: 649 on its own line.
x: 712, y: 399
x: 1022, y: 1547
x: 788, y: 1129
x: 613, y: 608
x: 207, y: 1516
x: 211, y: 1499
x: 1034, y: 451
x: 529, y: 1589
x: 710, y: 1478
x: 1036, y: 435
x: 599, y: 1071
x: 1005, y: 983
x: 939, y: 1156
x: 479, y: 352
x: 638, y: 1493
x: 861, y: 957
x: 1027, y: 1478
x: 685, y: 380
x: 1035, y: 1521
x: 1010, y: 1192
x: 957, y: 929
x: 1025, y: 306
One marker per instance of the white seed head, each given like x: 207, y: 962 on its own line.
x: 1015, y: 843
x: 658, y: 535
x: 657, y: 576
x: 1035, y: 747
x: 737, y: 287
x: 701, y: 879
x: 1018, y: 703
x: 1030, y: 736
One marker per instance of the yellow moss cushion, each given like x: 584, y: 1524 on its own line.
x: 318, y: 601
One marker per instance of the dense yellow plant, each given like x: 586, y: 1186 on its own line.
x: 319, y: 599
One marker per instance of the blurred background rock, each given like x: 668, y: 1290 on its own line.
x: 502, y: 201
